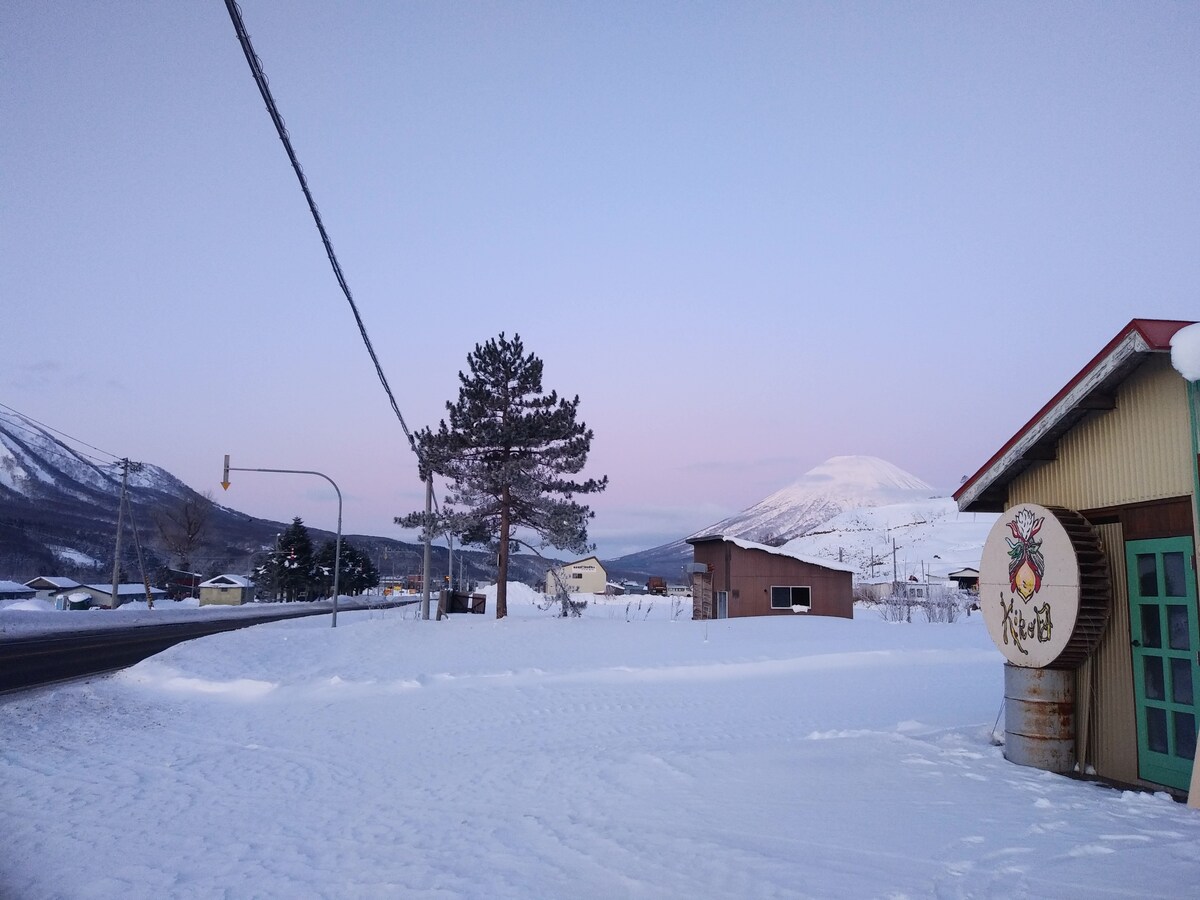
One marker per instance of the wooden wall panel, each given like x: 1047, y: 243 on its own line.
x: 1140, y: 451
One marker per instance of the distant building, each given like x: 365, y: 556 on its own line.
x: 228, y: 590
x: 49, y: 586
x: 181, y: 584
x: 584, y: 576
x: 967, y: 579
x: 14, y: 590
x: 733, y: 578
x: 102, y: 594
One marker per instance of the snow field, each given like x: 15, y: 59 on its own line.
x: 541, y: 757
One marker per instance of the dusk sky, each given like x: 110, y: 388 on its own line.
x: 750, y: 236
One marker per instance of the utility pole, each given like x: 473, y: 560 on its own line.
x: 428, y: 558
x: 120, y: 522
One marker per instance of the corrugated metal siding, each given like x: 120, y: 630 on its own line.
x: 1104, y: 684
x: 1136, y: 452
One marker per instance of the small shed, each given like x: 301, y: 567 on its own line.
x: 734, y: 577
x: 1088, y: 580
x: 226, y: 590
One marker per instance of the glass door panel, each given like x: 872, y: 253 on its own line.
x: 1166, y: 632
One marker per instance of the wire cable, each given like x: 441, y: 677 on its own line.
x: 56, y: 431
x: 260, y: 78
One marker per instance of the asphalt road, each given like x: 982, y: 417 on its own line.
x: 27, y: 662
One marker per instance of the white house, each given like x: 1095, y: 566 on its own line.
x: 49, y: 586
x: 584, y: 576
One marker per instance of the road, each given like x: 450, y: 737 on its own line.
x: 30, y: 661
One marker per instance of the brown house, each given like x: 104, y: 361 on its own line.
x: 734, y: 577
x: 1113, y: 457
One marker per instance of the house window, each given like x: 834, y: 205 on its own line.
x: 576, y: 574
x: 788, y: 597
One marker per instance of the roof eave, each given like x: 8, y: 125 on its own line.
x: 1088, y: 393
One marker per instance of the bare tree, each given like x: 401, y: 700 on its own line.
x: 183, y: 529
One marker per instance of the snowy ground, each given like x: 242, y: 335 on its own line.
x: 618, y: 755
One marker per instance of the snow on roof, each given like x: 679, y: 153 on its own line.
x: 15, y: 587
x: 123, y: 590
x: 227, y: 581
x: 777, y: 551
x: 55, y: 581
x: 1185, y: 352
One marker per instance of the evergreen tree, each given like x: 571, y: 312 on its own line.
x: 357, y: 573
x: 508, y: 452
x: 295, y: 560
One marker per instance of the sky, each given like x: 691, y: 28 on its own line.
x: 749, y: 236
x: 626, y: 753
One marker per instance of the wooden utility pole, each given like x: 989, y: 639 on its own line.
x: 428, y: 557
x: 120, y: 522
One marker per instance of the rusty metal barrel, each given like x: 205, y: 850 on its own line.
x: 1039, y: 717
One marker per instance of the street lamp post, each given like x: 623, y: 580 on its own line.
x: 337, y: 547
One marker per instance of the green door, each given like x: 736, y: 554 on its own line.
x: 1166, y: 641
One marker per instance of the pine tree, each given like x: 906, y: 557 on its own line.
x: 508, y: 452
x: 357, y: 573
x: 295, y: 560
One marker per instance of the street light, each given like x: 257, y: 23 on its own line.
x: 337, y: 548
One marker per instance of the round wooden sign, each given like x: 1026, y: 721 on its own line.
x: 1043, y: 586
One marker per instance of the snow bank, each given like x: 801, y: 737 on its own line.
x: 33, y: 604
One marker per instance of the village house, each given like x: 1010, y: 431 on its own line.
x: 733, y: 577
x: 228, y: 590
x: 102, y: 594
x: 50, y: 586
x: 14, y: 590
x: 1088, y: 580
x: 584, y: 576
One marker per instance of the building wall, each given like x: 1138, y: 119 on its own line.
x: 1129, y: 471
x: 749, y: 575
x: 231, y: 595
x: 1106, y: 727
x: 1137, y: 452
x: 585, y: 576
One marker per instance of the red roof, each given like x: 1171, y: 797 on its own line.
x: 1147, y: 336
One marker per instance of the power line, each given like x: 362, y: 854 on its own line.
x: 57, y: 431
x: 260, y: 78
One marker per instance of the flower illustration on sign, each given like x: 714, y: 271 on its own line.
x: 1026, y: 565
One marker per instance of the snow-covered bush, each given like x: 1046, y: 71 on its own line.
x: 946, y: 604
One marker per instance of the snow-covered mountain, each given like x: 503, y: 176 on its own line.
x: 929, y: 537
x: 35, y: 464
x: 852, y: 505
x: 58, y: 504
x: 840, y: 483
x: 58, y: 516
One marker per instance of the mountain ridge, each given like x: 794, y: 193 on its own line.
x: 58, y: 516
